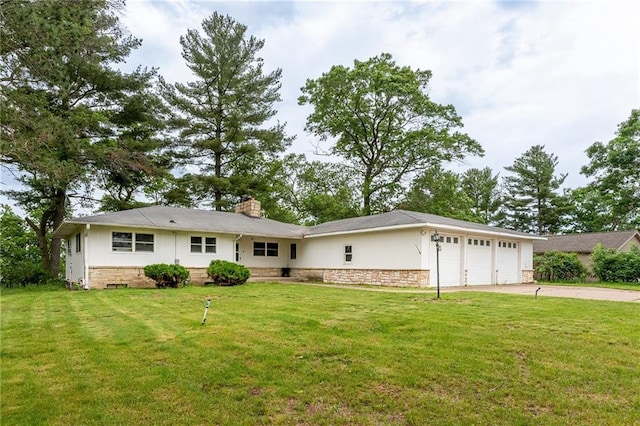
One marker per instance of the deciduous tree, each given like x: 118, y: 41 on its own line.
x: 384, y: 124
x: 615, y: 168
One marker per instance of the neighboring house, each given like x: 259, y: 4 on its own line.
x: 392, y: 248
x: 584, y: 244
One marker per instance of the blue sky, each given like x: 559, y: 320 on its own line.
x: 559, y: 73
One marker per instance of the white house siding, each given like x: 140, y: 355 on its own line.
x: 169, y: 246
x: 265, y: 266
x: 399, y: 249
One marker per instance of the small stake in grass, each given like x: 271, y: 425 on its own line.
x: 206, y: 308
x: 537, y: 292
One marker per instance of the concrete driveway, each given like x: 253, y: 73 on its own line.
x: 594, y: 293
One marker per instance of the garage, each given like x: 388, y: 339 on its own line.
x: 450, y: 256
x: 479, y: 260
x: 508, y: 261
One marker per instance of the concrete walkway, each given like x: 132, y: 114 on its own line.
x: 594, y: 293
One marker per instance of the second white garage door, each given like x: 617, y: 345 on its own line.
x: 479, y: 261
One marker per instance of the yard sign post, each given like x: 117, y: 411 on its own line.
x: 436, y: 237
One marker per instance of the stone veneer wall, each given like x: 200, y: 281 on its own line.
x: 99, y: 277
x: 527, y: 276
x: 134, y: 277
x: 385, y: 277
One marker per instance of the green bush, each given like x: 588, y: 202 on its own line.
x: 558, y: 266
x: 610, y: 265
x: 227, y: 273
x: 167, y: 275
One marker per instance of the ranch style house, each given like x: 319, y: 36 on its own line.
x: 393, y: 249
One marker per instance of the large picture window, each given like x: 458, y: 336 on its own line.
x: 124, y: 242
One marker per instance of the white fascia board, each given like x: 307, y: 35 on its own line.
x: 430, y: 226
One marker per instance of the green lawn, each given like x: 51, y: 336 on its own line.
x: 307, y: 355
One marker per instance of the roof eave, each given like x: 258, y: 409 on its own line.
x: 432, y: 226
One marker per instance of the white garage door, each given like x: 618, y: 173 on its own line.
x: 508, y: 265
x: 450, y: 261
x: 479, y: 261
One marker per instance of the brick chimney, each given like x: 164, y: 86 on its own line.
x: 249, y: 206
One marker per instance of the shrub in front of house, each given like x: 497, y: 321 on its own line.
x: 167, y: 275
x: 610, y: 265
x: 558, y: 266
x: 227, y: 273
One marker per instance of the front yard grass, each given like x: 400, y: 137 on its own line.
x: 295, y: 355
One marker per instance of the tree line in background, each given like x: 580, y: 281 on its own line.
x: 78, y: 131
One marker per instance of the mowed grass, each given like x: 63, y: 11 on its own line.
x: 297, y: 355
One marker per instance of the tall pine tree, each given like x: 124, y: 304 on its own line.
x: 223, y: 114
x: 531, y: 199
x: 64, y: 106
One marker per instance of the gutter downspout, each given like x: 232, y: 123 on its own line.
x: 233, y: 253
x: 85, y: 256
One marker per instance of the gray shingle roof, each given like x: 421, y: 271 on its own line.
x: 406, y: 218
x: 584, y: 243
x: 174, y: 218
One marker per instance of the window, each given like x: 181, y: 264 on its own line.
x: 272, y: 249
x: 144, y: 242
x: 499, y: 243
x: 293, y: 251
x: 124, y: 242
x: 348, y: 253
x: 455, y: 240
x: 265, y: 249
x: 210, y: 245
x: 449, y: 239
x: 509, y: 245
x: 121, y: 241
x: 475, y: 242
x: 488, y: 243
x: 469, y: 241
x: 482, y: 242
x: 69, y: 246
x: 259, y: 248
x: 514, y: 245
x: 78, y: 242
x: 196, y: 244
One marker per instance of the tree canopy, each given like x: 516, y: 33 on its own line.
x: 384, y: 124
x: 64, y: 105
x: 615, y: 167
